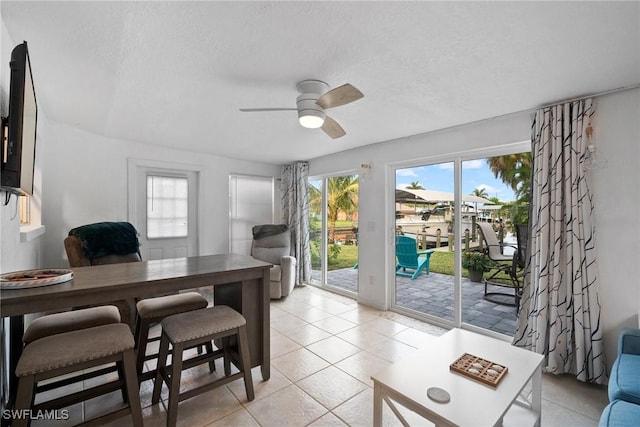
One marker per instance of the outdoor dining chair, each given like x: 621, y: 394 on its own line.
x: 509, y: 264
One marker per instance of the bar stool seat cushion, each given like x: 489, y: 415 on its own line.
x: 68, y: 321
x: 201, y: 323
x: 71, y: 348
x: 161, y: 307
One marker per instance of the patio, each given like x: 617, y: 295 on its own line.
x: 433, y: 294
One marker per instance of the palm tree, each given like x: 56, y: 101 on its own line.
x: 415, y: 185
x: 315, y: 199
x: 480, y: 192
x: 515, y: 171
x: 342, y: 196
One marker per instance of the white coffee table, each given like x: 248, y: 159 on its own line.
x: 472, y: 403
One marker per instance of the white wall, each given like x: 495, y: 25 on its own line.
x: 616, y: 194
x: 615, y: 187
x: 86, y: 182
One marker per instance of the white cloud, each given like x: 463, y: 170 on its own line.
x: 406, y: 172
x: 473, y: 164
x: 468, y: 164
x: 403, y: 185
x: 490, y: 189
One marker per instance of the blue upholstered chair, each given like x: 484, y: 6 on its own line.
x: 624, y: 383
x: 620, y: 414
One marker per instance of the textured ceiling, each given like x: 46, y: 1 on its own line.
x: 176, y: 73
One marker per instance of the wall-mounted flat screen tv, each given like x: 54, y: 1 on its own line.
x: 19, y: 137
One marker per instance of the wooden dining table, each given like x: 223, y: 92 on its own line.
x: 238, y: 281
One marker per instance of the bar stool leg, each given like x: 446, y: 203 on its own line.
x: 160, y: 371
x: 121, y: 375
x: 243, y: 347
x: 142, y: 336
x: 226, y: 343
x: 209, y: 347
x: 132, y: 386
x: 174, y: 388
x: 24, y: 399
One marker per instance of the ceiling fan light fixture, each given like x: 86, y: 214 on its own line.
x: 311, y: 119
x: 313, y: 99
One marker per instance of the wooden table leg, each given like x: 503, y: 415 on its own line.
x: 266, y: 325
x: 377, y: 405
x: 536, y: 394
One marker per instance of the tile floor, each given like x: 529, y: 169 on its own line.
x: 324, y: 347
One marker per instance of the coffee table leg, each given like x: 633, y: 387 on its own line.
x: 377, y: 405
x: 536, y: 394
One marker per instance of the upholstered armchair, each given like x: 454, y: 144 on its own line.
x: 272, y: 244
x: 105, y: 243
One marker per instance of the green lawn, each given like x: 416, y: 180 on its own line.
x: 348, y: 258
x: 440, y: 262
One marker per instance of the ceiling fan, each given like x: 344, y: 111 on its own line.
x: 314, y: 98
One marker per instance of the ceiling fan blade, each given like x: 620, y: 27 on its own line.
x: 339, y: 96
x: 255, y: 110
x: 332, y: 128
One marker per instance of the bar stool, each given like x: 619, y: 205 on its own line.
x: 153, y: 310
x: 69, y: 352
x: 195, y: 327
x: 68, y: 321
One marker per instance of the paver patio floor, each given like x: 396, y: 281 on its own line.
x: 433, y: 294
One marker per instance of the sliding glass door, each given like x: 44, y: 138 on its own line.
x: 439, y: 208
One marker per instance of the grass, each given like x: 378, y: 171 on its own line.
x: 347, y: 259
x: 440, y: 262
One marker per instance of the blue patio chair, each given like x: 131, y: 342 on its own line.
x: 408, y: 257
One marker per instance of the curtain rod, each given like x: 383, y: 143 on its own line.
x: 594, y: 95
x: 534, y: 109
x: 527, y: 110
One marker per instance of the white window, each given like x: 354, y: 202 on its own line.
x: 251, y: 203
x: 167, y: 206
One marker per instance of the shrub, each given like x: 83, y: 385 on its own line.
x: 332, y: 254
x: 473, y: 260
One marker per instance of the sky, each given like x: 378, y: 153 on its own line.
x: 475, y: 174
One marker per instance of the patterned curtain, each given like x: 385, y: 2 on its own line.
x: 560, y: 310
x: 295, y: 213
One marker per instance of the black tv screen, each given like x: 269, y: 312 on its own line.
x: 19, y: 145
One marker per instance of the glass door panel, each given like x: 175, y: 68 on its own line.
x: 342, y: 239
x: 315, y: 229
x: 496, y: 194
x: 424, y: 211
x: 333, y: 219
